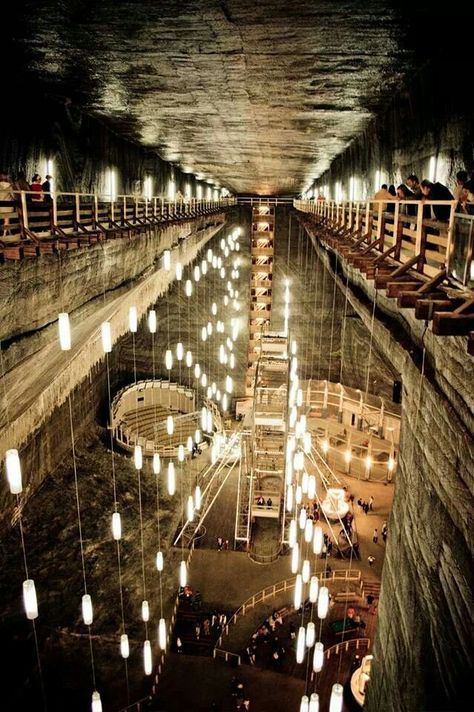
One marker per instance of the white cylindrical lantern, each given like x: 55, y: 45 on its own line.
x: 179, y: 271
x: 292, y: 533
x: 145, y: 611
x: 323, y: 602
x: 317, y: 539
x: 167, y: 260
x: 300, y: 644
x: 124, y: 646
x: 304, y: 705
x: 197, y: 274
x: 204, y: 267
x: 203, y: 380
x: 138, y: 457
x: 169, y: 424
x: 13, y: 467
x: 133, y: 319
x: 197, y: 370
x: 298, y: 594
x: 214, y: 308
x: 152, y: 321
x: 197, y: 497
x: 183, y: 574
x: 295, y: 558
x: 197, y: 436
x: 29, y: 599
x: 308, y: 530
x: 188, y: 289
x: 168, y: 359
x: 162, y: 634
x: 190, y: 508
x: 302, y: 518
x: 335, y: 703
x: 306, y: 571
x: 314, y: 702
x: 189, y: 359
x: 96, y: 702
x: 106, y: 334
x: 159, y: 561
x: 116, y: 526
x: 179, y: 351
x: 204, y: 333
x: 310, y: 634
x: 289, y: 498
x: 189, y: 443
x: 298, y: 494
x: 147, y: 659
x: 156, y: 463
x: 318, y: 657
x: 171, y: 479
x: 228, y: 384
x: 181, y: 453
x: 64, y: 331
x: 311, y: 487
x: 87, y: 610
x: 313, y: 589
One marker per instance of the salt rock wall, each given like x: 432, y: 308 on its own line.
x: 424, y: 648
x: 333, y: 343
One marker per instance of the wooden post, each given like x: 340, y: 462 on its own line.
x: 24, y: 209
x: 77, y: 207
x: 420, y: 239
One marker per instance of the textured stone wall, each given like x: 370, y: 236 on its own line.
x: 423, y: 649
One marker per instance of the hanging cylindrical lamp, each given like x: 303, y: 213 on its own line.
x: 159, y: 561
x: 156, y: 463
x: 302, y: 518
x: 167, y: 260
x: 335, y: 703
x: 289, y: 498
x: 225, y: 402
x: 189, y: 359
x: 182, y: 574
x: 304, y: 704
x: 87, y: 610
x: 228, y: 384
x: 203, y: 380
x: 300, y: 645
x: 295, y: 558
x: 197, y: 436
x: 298, y: 494
x: 204, y: 267
x: 298, y: 593
x: 162, y: 634
x: 204, y: 333
x: 188, y: 288
x: 305, y: 571
x: 124, y: 646
x: 169, y: 424
x: 96, y: 702
x: 171, y: 479
x: 106, y: 334
x: 308, y: 530
x: 147, y: 659
x: 323, y: 602
x: 197, y: 370
x: 13, y: 468
x: 313, y: 589
x: 190, y: 508
x: 116, y: 526
x: 179, y: 351
x: 311, y: 487
x: 318, y: 657
x: 64, y: 331
x: 168, y: 359
x: 180, y: 453
x: 145, y: 611
x: 133, y: 319
x: 179, y: 271
x: 317, y: 539
x: 307, y: 442
x: 152, y: 321
x: 138, y: 457
x: 29, y: 599
x: 304, y: 482
x: 310, y: 634
x: 197, y: 498
x: 232, y: 361
x: 197, y: 273
x: 314, y: 702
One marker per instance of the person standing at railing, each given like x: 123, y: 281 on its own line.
x: 383, y: 194
x: 404, y: 193
x: 436, y: 191
x: 466, y: 199
x: 461, y: 180
x: 414, y: 184
x: 21, y: 183
x: 7, y: 201
x: 47, y: 189
x: 37, y: 189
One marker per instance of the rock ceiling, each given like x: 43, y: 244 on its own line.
x: 259, y: 95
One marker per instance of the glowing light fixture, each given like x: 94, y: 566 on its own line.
x: 145, y: 611
x: 138, y: 457
x: 310, y: 634
x: 323, y: 602
x: 300, y: 645
x: 147, y: 659
x: 182, y: 574
x: 313, y: 589
x: 96, y: 702
x: 64, y: 331
x: 171, y: 479
x: 162, y: 634
x: 13, y: 468
x: 87, y: 611
x: 167, y: 260
x: 169, y: 359
x: 318, y: 657
x: 156, y: 463
x: 152, y: 321
x: 159, y: 561
x: 29, y: 599
x: 124, y: 646
x: 116, y: 526
x: 335, y: 703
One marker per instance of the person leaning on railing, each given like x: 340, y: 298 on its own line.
x: 7, y: 201
x: 466, y: 199
x: 436, y: 191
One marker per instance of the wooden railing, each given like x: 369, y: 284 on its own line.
x: 69, y: 220
x: 399, y: 225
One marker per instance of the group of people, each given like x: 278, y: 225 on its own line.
x: 37, y: 192
x: 222, y: 544
x: 366, y: 506
x: 261, y: 502
x: 413, y: 189
x: 267, y: 636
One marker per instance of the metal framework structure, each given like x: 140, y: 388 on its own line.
x: 262, y: 240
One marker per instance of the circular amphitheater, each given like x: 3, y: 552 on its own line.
x: 140, y: 411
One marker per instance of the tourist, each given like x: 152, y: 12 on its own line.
x: 179, y: 645
x: 371, y: 502
x: 269, y: 503
x: 21, y: 183
x: 461, y: 180
x: 37, y: 189
x: 384, y: 531
x: 220, y: 543
x: 436, y: 191
x: 375, y: 536
x: 260, y: 501
x: 414, y: 184
x: 371, y: 559
x: 47, y: 189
